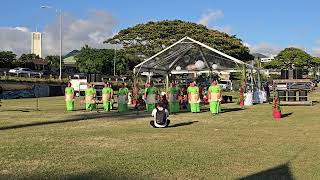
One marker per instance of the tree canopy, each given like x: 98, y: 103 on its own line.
x: 91, y: 60
x: 315, y: 62
x: 6, y: 59
x: 144, y: 40
x: 292, y: 57
x: 53, y: 62
x: 25, y: 60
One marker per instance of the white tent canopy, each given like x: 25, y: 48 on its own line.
x: 189, y: 55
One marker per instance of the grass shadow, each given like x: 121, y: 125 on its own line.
x: 286, y: 115
x: 94, y: 174
x: 80, y: 117
x: 182, y: 124
x: 279, y: 172
x: 231, y: 110
x: 19, y: 110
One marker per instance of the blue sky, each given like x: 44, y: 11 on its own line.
x: 265, y: 26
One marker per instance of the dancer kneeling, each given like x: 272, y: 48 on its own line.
x: 160, y: 115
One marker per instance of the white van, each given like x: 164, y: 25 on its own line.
x: 79, y: 83
x: 226, y: 84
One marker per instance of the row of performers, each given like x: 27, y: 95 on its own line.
x: 173, y: 99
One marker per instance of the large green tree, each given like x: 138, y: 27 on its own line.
x: 6, y: 59
x: 315, y: 65
x: 53, y: 63
x: 315, y: 62
x: 292, y: 57
x: 25, y: 60
x: 144, y: 40
x: 91, y: 60
x: 125, y: 62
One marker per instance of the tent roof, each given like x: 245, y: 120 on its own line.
x: 189, y: 55
x: 69, y: 60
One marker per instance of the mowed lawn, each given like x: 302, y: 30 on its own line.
x: 54, y: 144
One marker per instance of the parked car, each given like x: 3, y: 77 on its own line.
x: 226, y: 84
x: 307, y: 86
x: 24, y: 71
x: 45, y: 72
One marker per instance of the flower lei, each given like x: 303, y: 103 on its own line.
x: 276, y: 103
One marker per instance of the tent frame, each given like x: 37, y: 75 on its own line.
x: 138, y: 68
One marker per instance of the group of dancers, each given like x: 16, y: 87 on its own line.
x: 175, y: 99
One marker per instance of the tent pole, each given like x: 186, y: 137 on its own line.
x: 251, y: 76
x: 258, y: 71
x: 205, y: 60
x: 167, y: 82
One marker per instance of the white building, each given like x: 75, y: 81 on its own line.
x: 265, y: 60
x: 36, y: 43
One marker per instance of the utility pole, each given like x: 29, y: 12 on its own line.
x: 60, y: 63
x: 114, y: 61
x: 58, y: 11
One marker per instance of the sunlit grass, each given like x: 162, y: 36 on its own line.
x: 92, y: 145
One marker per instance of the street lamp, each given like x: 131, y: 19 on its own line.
x: 60, y: 17
x: 115, y: 56
x: 114, y: 60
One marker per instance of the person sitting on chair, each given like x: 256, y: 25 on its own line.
x: 160, y: 115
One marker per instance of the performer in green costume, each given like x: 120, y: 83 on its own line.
x: 123, y: 98
x: 69, y: 97
x: 146, y: 86
x: 193, y: 97
x: 90, y: 94
x: 107, y: 94
x: 173, y: 96
x: 214, y: 96
x: 151, y: 94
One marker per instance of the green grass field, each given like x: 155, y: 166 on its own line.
x: 248, y: 144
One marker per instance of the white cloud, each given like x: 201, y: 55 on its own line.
x: 210, y: 18
x: 23, y: 29
x: 77, y: 32
x: 264, y: 48
x: 16, y: 39
x: 273, y: 50
x: 315, y: 51
x: 92, y: 30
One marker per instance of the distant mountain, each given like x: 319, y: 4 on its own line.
x: 258, y: 55
x: 72, y: 53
